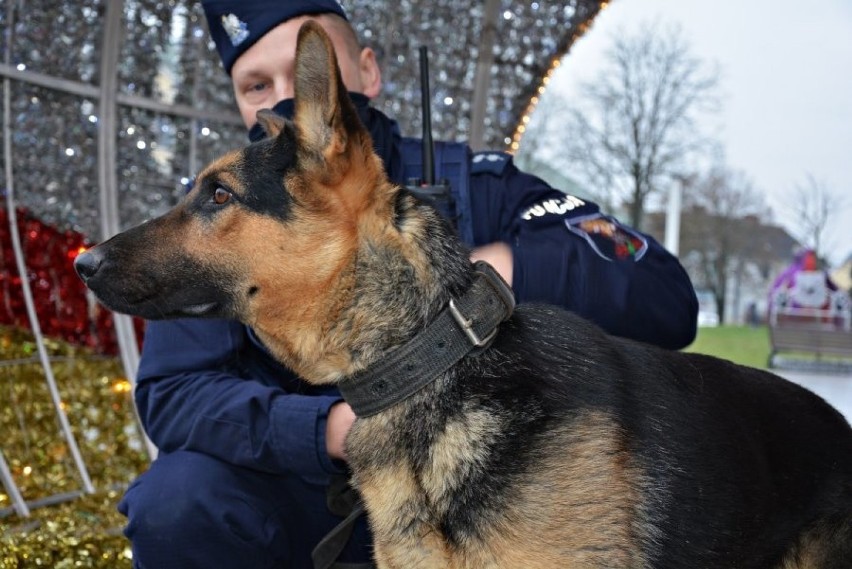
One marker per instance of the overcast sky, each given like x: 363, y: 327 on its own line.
x: 786, y: 81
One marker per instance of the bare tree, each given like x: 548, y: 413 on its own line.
x: 635, y: 124
x: 538, y: 155
x: 722, y: 215
x: 815, y: 206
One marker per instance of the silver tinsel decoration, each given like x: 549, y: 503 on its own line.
x: 167, y: 58
x: 529, y: 35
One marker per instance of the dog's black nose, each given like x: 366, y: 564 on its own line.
x: 86, y: 264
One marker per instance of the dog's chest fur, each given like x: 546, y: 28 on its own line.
x: 471, y: 470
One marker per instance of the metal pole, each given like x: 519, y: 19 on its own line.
x: 673, y: 217
x: 108, y: 183
x: 125, y: 99
x: 482, y: 79
x: 12, y: 489
x: 22, y: 270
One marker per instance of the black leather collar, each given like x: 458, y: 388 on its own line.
x: 468, y: 323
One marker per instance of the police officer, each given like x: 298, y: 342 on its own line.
x: 247, y: 450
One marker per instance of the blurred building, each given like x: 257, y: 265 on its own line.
x: 745, y: 254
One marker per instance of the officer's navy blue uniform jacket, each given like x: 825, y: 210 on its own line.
x: 209, y: 387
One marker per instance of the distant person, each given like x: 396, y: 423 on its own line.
x: 752, y: 318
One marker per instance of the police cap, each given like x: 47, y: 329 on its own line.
x: 235, y: 25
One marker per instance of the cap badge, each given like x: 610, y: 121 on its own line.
x: 236, y: 29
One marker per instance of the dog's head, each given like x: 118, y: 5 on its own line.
x: 271, y: 234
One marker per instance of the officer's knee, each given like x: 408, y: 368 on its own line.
x: 189, y: 501
x: 174, y: 494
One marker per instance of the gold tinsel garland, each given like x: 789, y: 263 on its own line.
x: 82, y: 531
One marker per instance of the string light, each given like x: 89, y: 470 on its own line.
x: 73, y: 253
x: 520, y: 129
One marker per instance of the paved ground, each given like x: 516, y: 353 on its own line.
x: 836, y: 388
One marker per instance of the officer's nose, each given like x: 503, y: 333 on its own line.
x: 87, y: 264
x: 282, y: 88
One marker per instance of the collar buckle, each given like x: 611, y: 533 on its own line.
x: 498, y: 288
x: 434, y: 349
x: 467, y: 327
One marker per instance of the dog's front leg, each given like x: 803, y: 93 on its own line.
x: 399, y: 518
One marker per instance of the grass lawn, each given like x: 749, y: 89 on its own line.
x: 741, y: 344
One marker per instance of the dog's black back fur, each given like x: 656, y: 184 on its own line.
x: 736, y: 462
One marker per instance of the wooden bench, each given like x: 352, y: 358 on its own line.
x: 815, y: 331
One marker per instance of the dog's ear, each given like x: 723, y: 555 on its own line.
x: 271, y: 123
x: 325, y: 117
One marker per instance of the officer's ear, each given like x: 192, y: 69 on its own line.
x: 371, y: 75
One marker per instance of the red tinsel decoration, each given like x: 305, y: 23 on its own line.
x: 63, y: 306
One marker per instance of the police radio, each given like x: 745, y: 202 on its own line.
x: 437, y: 193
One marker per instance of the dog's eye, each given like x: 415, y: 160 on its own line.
x: 221, y: 196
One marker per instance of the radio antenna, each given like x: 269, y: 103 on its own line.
x: 426, y: 107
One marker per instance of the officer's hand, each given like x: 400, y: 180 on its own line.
x: 340, y: 419
x: 498, y: 255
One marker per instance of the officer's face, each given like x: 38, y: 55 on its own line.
x: 263, y: 75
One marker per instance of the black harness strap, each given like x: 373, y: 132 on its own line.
x: 342, y: 500
x: 327, y: 551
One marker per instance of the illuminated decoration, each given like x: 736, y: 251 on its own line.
x: 529, y: 37
x: 64, y: 309
x: 581, y: 28
x: 175, y: 107
x: 85, y: 531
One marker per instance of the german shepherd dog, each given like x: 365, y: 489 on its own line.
x: 551, y: 445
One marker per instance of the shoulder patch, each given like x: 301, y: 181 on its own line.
x: 491, y: 162
x: 608, y: 237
